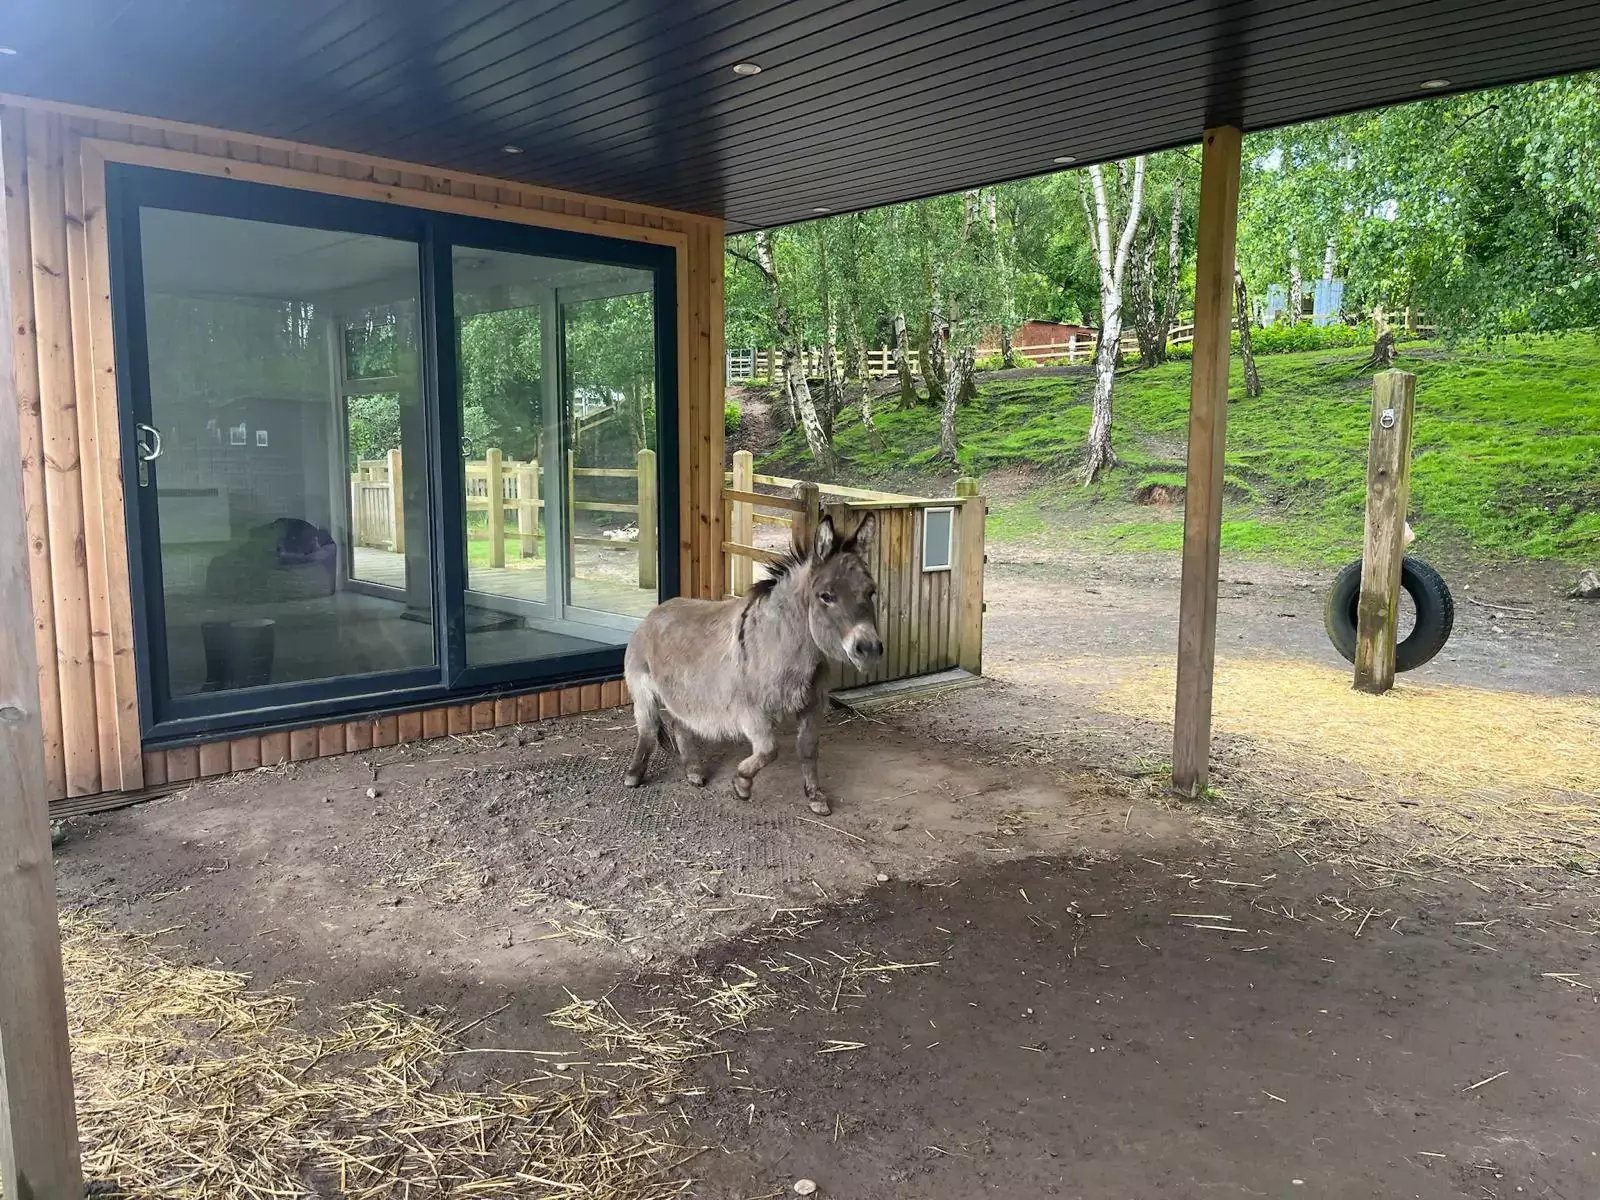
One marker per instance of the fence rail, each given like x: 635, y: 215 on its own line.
x: 927, y: 560
x: 377, y: 505
x: 754, y: 363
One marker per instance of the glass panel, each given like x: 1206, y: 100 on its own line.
x: 611, y: 439
x: 247, y: 331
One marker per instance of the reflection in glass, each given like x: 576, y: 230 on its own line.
x: 283, y: 364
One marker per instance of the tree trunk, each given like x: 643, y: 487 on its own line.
x: 1241, y: 302
x: 1113, y: 272
x: 955, y: 385
x: 856, y: 368
x: 1008, y: 283
x: 1330, y: 259
x: 832, y: 368
x: 1297, y: 286
x: 802, y: 407
x: 1169, y: 303
x: 938, y: 335
x: 1142, y: 286
x: 902, y: 362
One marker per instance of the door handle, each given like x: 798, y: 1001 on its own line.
x: 148, y: 451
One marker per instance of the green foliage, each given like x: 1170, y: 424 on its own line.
x: 730, y: 417
x: 1479, y: 210
x: 1290, y: 339
x: 997, y: 362
x: 1507, y: 446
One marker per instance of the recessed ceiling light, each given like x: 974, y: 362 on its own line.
x: 1435, y: 84
x: 511, y: 149
x: 746, y: 69
x: 822, y: 211
x: 1065, y: 159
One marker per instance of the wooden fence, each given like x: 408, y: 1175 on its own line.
x: 749, y: 364
x: 927, y: 560
x: 377, y: 505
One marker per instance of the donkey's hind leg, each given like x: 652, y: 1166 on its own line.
x: 647, y: 716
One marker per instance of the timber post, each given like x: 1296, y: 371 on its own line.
x: 806, y: 523
x: 38, y: 1124
x: 1384, y: 541
x: 1216, y: 242
x: 969, y: 565
x: 397, y: 501
x: 528, y: 508
x: 742, y: 518
x: 647, y: 520
x: 497, y: 508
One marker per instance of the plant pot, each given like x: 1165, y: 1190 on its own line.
x: 238, y: 653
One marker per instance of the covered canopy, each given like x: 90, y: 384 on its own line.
x: 856, y: 103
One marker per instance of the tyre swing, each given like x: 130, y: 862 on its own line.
x: 1374, y: 650
x: 1435, y: 609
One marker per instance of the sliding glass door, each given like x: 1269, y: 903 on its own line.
x: 378, y: 453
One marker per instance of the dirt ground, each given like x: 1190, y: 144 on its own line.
x: 1005, y: 966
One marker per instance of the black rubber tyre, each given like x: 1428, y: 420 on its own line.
x: 1436, y: 613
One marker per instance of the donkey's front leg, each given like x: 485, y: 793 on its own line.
x: 811, y: 722
x: 763, y: 749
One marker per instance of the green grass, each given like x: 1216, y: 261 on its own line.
x: 1506, y: 452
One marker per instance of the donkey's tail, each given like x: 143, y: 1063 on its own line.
x: 664, y: 735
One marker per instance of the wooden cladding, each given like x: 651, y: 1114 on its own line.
x: 64, y: 379
x: 353, y: 735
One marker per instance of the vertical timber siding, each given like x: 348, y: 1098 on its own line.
x: 64, y: 383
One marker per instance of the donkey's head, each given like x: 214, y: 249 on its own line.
x: 839, y: 594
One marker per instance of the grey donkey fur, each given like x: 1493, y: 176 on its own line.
x: 704, y: 671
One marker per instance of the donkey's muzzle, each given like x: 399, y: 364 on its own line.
x: 866, y: 648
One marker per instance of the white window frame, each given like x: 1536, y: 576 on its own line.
x: 950, y: 539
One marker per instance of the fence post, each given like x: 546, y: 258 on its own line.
x: 497, y: 509
x: 969, y: 564
x: 1384, y: 544
x: 397, y: 502
x: 528, y: 508
x: 805, y: 523
x: 647, y: 520
x: 742, y: 520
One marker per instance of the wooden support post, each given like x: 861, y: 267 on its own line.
x: 528, y: 508
x: 497, y: 509
x: 1384, y: 546
x: 969, y: 563
x: 397, y: 500
x: 805, y: 523
x: 1208, y: 425
x: 648, y: 533
x: 742, y: 527
x: 38, y: 1126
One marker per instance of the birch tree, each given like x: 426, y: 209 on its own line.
x: 1005, y: 280
x: 1241, y: 304
x: 1112, y: 259
x: 796, y: 387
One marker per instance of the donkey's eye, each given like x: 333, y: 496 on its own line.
x: 828, y: 598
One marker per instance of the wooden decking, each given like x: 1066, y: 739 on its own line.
x: 388, y: 569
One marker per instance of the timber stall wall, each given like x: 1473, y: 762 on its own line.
x: 64, y: 376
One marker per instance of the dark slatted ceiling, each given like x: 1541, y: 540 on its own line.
x: 857, y: 103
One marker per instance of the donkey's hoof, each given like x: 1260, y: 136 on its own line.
x: 819, y: 805
x: 742, y: 788
x: 630, y: 780
x: 696, y: 778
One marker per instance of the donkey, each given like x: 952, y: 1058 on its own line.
x: 707, y: 670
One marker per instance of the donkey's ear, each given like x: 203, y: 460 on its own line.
x: 827, y: 538
x: 866, y: 530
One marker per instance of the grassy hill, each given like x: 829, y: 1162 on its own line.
x: 1507, y: 446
